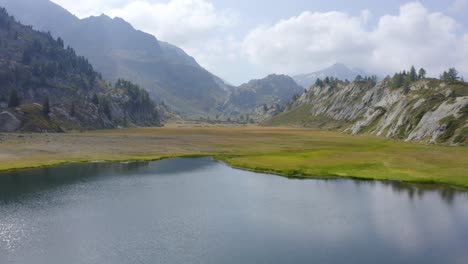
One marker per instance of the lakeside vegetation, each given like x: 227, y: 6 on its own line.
x: 285, y: 151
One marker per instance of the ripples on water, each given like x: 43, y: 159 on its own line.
x: 200, y: 211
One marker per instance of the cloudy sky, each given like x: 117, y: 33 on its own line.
x: 244, y: 39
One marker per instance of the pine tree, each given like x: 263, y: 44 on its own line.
x: 95, y: 99
x: 73, y: 110
x: 319, y: 83
x: 105, y: 106
x: 358, y: 78
x: 422, y: 73
x: 398, y: 80
x: 14, y: 100
x: 452, y: 75
x: 27, y: 57
x: 60, y: 42
x: 413, y: 76
x: 46, y: 106
x: 443, y: 76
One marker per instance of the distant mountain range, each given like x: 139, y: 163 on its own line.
x: 117, y: 50
x: 338, y: 70
x: 258, y: 98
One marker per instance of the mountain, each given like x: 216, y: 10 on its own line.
x: 426, y: 110
x: 259, y: 97
x: 339, y: 71
x: 45, y: 87
x: 117, y: 50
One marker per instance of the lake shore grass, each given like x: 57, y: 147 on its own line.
x: 290, y: 152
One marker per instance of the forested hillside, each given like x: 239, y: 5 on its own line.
x: 118, y: 50
x: 45, y: 86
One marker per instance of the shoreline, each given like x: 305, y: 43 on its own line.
x: 270, y: 171
x: 293, y: 153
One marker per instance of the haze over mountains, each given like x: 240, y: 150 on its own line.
x: 337, y: 71
x: 117, y: 50
x: 262, y: 98
x: 45, y: 87
x: 406, y: 106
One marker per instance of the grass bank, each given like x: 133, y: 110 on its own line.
x: 289, y: 152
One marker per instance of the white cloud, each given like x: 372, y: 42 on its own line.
x: 181, y: 22
x: 417, y: 37
x: 196, y: 26
x: 308, y: 41
x: 303, y: 43
x: 459, y: 6
x: 86, y: 8
x: 313, y: 40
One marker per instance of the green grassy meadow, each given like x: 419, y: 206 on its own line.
x: 286, y: 151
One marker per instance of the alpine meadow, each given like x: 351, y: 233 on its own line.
x: 219, y: 131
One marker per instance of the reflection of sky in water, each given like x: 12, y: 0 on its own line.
x: 198, y: 211
x: 14, y: 233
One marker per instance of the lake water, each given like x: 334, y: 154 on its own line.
x: 201, y: 211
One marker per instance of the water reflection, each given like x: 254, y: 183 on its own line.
x: 446, y: 193
x: 18, y: 184
x: 200, y: 211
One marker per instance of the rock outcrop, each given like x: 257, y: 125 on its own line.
x: 427, y: 110
x: 9, y: 122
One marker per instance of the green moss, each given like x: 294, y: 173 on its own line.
x: 452, y: 124
x: 459, y: 89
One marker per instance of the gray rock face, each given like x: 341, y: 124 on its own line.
x: 8, y: 122
x: 431, y: 126
x: 426, y: 111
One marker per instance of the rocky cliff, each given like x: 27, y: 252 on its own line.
x: 427, y: 110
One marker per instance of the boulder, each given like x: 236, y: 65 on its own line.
x: 9, y: 122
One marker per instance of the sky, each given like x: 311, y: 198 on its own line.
x: 239, y: 40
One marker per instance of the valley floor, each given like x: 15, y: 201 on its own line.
x: 285, y: 151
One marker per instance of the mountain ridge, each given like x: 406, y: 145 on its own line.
x: 47, y: 87
x: 118, y: 50
x: 338, y: 70
x: 262, y: 98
